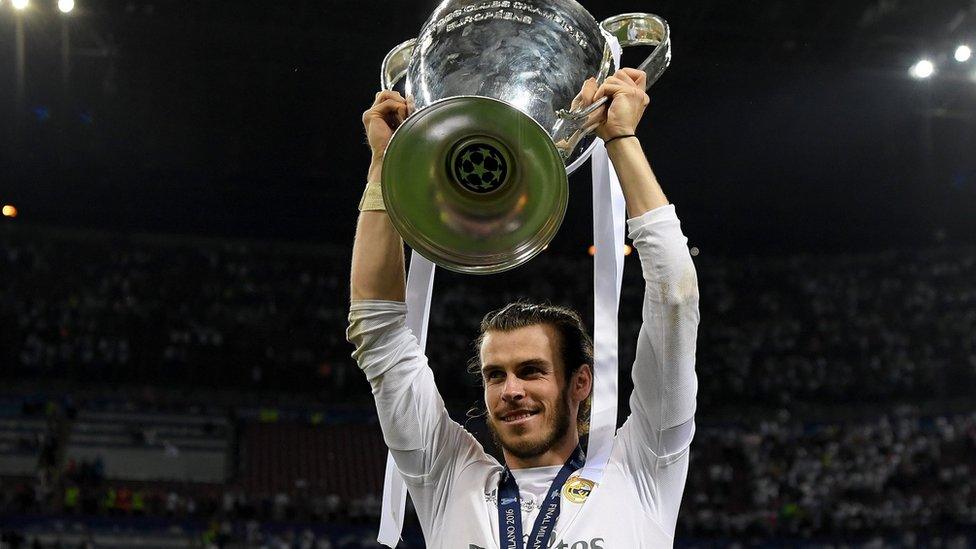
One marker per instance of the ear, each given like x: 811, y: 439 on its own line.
x: 582, y: 382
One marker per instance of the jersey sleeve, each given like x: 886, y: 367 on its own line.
x: 428, y: 447
x: 658, y: 433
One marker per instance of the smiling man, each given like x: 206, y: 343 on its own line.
x: 535, y: 362
x: 524, y: 350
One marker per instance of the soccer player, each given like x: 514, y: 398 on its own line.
x: 535, y: 362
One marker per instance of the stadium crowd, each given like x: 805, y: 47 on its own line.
x: 778, y: 478
x: 155, y: 312
x: 774, y: 330
x: 181, y: 501
x: 777, y: 335
x: 784, y: 478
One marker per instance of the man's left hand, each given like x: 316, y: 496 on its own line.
x: 626, y: 102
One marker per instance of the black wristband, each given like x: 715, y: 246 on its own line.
x: 607, y: 142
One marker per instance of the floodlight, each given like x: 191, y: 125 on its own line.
x: 963, y: 53
x: 627, y: 250
x: 9, y: 210
x: 20, y: 4
x: 923, y: 69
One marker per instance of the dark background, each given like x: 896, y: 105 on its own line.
x: 187, y: 175
x: 780, y: 126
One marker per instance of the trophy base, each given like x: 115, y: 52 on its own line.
x: 474, y: 185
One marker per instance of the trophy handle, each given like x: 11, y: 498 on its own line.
x: 643, y: 29
x: 395, y: 64
x: 632, y: 29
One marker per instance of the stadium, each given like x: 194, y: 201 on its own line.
x: 179, y: 183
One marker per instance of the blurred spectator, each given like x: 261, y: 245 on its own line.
x: 772, y: 478
x: 185, y: 312
x: 777, y: 333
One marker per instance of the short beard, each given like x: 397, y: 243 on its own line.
x: 528, y: 449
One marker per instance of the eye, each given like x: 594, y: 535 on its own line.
x: 494, y: 375
x: 531, y: 371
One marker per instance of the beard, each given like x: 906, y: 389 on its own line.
x: 555, y: 428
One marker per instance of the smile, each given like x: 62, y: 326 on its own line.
x: 518, y: 417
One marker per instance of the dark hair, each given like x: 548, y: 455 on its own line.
x: 575, y: 345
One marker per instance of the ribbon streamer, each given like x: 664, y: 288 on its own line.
x: 609, y: 218
x: 608, y: 267
x: 420, y: 285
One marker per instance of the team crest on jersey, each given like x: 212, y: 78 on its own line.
x: 577, y: 489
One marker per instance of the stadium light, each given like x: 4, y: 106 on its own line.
x: 66, y: 5
x: 922, y: 70
x: 20, y: 4
x: 627, y: 250
x: 9, y: 210
x: 963, y: 53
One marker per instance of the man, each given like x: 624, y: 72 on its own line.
x: 536, y: 367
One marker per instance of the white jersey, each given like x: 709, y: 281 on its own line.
x: 452, y: 481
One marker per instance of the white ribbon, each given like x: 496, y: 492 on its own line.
x: 608, y: 269
x: 609, y: 218
x: 420, y: 284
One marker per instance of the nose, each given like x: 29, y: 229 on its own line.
x: 513, y: 391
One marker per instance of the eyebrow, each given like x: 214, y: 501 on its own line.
x: 524, y: 363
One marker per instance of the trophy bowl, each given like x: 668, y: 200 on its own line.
x: 476, y: 178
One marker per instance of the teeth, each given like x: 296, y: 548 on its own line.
x: 518, y: 417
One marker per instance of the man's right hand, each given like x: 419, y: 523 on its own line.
x: 377, y: 253
x: 389, y: 110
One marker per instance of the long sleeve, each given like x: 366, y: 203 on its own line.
x: 427, y: 445
x: 661, y: 426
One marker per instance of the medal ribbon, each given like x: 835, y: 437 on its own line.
x: 510, y: 508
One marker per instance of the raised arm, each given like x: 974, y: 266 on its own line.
x: 658, y: 433
x: 426, y: 444
x: 663, y: 402
x: 377, y: 251
x: 628, y: 101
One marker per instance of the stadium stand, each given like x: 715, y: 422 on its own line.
x: 835, y: 400
x: 155, y: 446
x: 346, y: 460
x: 21, y: 438
x: 779, y: 331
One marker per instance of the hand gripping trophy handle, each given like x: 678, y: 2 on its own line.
x: 630, y: 29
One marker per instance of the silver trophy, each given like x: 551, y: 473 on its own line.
x: 476, y: 178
